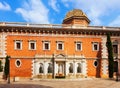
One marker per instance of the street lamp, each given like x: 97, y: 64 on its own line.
x: 9, y: 71
x: 117, y: 69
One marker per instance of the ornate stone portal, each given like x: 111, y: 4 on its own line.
x: 63, y: 66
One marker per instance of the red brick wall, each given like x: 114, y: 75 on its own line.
x: 69, y: 49
x: 77, y: 21
x: 92, y: 70
x: 25, y: 70
x: 69, y: 46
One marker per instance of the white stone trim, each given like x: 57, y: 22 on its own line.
x: 3, y: 39
x: 33, y: 67
x: 104, y: 48
x: 56, y: 35
x: 105, y: 67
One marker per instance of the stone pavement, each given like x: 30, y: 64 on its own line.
x: 63, y: 83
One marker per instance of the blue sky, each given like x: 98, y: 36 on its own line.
x: 100, y: 12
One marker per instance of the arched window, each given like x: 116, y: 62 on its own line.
x: 41, y: 68
x: 79, y: 68
x: 71, y: 68
x: 50, y: 68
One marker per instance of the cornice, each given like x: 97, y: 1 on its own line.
x: 90, y: 30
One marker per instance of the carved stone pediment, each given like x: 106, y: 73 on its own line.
x: 60, y: 56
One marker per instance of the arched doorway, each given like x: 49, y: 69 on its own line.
x: 59, y: 65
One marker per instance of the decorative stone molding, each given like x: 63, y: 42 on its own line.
x: 103, y: 47
x: 3, y: 45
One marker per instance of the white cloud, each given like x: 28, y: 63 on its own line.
x: 54, y: 5
x: 4, y: 6
x: 96, y: 9
x: 65, y: 3
x: 115, y: 22
x: 34, y: 11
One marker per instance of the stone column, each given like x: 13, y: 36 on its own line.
x: 84, y: 67
x: 66, y: 68
x: 74, y: 67
x: 45, y: 68
x: 54, y: 69
x: 33, y: 68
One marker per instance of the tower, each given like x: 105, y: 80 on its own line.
x: 76, y: 17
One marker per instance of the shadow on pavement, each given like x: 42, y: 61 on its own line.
x: 23, y: 86
x: 111, y: 79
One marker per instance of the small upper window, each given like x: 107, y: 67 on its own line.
x: 95, y: 46
x: 115, y: 49
x: 60, y: 46
x: 18, y: 44
x: 32, y: 45
x: 71, y: 68
x: 46, y: 45
x: 78, y: 46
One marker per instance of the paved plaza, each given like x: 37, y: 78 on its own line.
x: 63, y: 83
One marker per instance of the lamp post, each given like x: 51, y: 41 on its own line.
x: 9, y: 71
x: 117, y: 70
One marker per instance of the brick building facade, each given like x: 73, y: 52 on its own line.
x: 71, y: 50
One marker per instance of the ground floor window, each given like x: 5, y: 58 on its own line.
x: 79, y: 68
x: 71, y: 68
x: 41, y: 68
x: 50, y: 69
x: 1, y: 67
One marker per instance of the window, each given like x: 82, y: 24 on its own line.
x: 60, y: 46
x: 46, y: 45
x: 115, y: 49
x: 32, y: 45
x: 41, y: 68
x: 1, y: 67
x: 71, y: 68
x: 79, y: 68
x: 95, y: 46
x: 50, y: 68
x: 18, y: 44
x: 18, y: 63
x: 78, y: 46
x: 95, y: 63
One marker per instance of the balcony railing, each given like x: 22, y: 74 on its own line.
x: 69, y: 26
